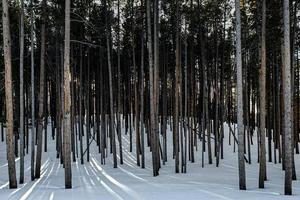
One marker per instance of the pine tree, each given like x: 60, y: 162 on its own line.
x: 240, y: 116
x: 67, y: 101
x: 8, y: 96
x: 22, y: 135
x: 287, y: 100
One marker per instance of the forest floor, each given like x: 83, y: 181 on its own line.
x: 129, y: 182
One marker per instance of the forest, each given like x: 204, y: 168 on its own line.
x: 172, y: 93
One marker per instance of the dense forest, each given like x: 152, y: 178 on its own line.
x: 93, y: 70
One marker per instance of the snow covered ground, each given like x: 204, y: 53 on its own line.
x: 129, y: 182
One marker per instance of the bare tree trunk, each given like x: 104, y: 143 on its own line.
x: 102, y: 111
x: 156, y: 81
x: 32, y: 93
x: 41, y: 98
x: 287, y: 100
x: 135, y: 85
x: 67, y: 101
x: 240, y: 116
x: 262, y: 96
x: 112, y: 116
x: 185, y: 115
x: 177, y: 89
x: 22, y: 93
x: 8, y: 97
x: 152, y: 95
x: 87, y: 105
x: 142, y: 91
x: 119, y: 132
x: 80, y: 106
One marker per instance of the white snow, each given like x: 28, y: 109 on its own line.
x: 95, y: 181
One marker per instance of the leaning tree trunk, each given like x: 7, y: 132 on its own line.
x: 242, y: 174
x: 287, y: 100
x: 67, y: 101
x: 22, y: 93
x: 8, y: 97
x: 41, y: 98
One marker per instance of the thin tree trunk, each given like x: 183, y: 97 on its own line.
x: 80, y: 106
x: 22, y: 93
x: 185, y: 119
x: 32, y: 94
x: 119, y: 132
x: 142, y: 91
x: 177, y: 90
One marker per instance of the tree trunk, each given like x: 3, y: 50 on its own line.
x: 32, y: 93
x: 240, y: 117
x: 262, y: 96
x: 156, y: 81
x: 111, y: 100
x: 22, y: 93
x: 8, y: 97
x: 41, y: 97
x: 80, y: 106
x: 67, y: 101
x: 119, y: 131
x: 287, y: 100
x: 152, y: 95
x: 177, y: 89
x: 142, y: 91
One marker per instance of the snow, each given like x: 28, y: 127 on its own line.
x: 95, y: 181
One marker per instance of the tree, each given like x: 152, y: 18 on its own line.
x: 240, y: 117
x: 8, y: 96
x: 41, y: 97
x: 153, y: 130
x: 32, y: 92
x: 22, y: 92
x: 262, y: 98
x: 67, y: 101
x: 111, y: 100
x: 119, y: 88
x: 287, y: 99
x: 142, y: 87
x: 155, y: 83
x: 177, y: 89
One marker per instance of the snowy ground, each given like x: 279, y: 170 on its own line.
x: 96, y: 181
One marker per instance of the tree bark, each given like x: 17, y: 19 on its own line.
x: 32, y: 93
x: 8, y: 97
x: 112, y: 116
x: 262, y: 96
x: 41, y: 97
x: 67, y: 101
x: 240, y: 116
x: 177, y: 89
x: 287, y: 100
x: 22, y: 92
